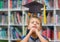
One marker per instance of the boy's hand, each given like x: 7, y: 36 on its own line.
x: 37, y: 32
x: 32, y: 30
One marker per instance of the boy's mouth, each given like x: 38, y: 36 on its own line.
x: 34, y: 26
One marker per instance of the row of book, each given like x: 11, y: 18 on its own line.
x: 16, y: 32
x: 3, y: 18
x: 49, y: 17
x: 3, y: 4
x: 16, y: 17
x: 57, y: 33
x: 57, y: 3
x: 3, y: 33
x: 48, y: 31
x: 57, y: 19
x: 57, y: 16
x: 16, y: 3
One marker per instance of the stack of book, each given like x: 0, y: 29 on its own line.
x: 16, y: 32
x: 48, y: 32
x: 16, y: 17
x: 3, y: 4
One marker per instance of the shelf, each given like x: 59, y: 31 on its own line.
x: 16, y: 9
x: 15, y: 39
x: 19, y: 9
x: 16, y: 24
x: 57, y: 24
x: 47, y: 24
x: 57, y: 8
x: 3, y: 39
x: 47, y: 9
x: 3, y: 9
x: 56, y: 40
x: 21, y: 28
x: 3, y: 24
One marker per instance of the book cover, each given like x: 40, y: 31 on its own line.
x: 1, y: 4
x: 10, y: 3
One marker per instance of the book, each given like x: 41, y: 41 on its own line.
x: 10, y: 3
x: 58, y: 3
x: 44, y: 32
x: 29, y: 1
x: 18, y: 18
x: 56, y: 19
x: 15, y: 17
x: 19, y: 3
x: 15, y: 32
x: 1, y: 4
x: 5, y: 4
x: 48, y: 18
x: 14, y: 3
x: 48, y: 33
x: 58, y: 35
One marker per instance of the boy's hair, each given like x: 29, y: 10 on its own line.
x: 36, y: 18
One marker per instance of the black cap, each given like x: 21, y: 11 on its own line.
x: 34, y: 7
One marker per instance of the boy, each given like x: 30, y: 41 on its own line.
x: 34, y: 27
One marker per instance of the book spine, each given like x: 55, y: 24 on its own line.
x: 58, y: 35
x: 44, y: 33
x: 56, y: 19
x: 3, y: 19
x: 58, y: 3
x: 14, y: 3
x: 5, y: 3
x: 18, y: 18
x: 19, y: 3
x: 48, y: 18
x: 1, y: 4
x: 29, y: 1
x: 48, y: 33
x: 10, y: 3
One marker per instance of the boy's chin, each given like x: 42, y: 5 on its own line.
x: 33, y: 33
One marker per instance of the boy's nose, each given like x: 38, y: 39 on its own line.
x: 34, y: 23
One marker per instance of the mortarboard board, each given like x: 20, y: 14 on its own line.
x: 34, y: 7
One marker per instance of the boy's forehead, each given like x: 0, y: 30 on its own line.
x: 34, y: 19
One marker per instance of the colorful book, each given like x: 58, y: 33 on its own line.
x: 18, y: 18
x: 29, y: 1
x: 44, y: 32
x: 58, y: 3
x: 10, y: 3
x: 19, y: 3
x: 15, y: 17
x: 14, y: 3
x: 5, y: 4
x: 48, y: 18
x: 49, y: 33
x: 1, y: 4
x: 58, y: 35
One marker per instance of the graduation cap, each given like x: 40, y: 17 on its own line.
x: 34, y: 7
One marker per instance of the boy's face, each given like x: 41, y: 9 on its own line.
x: 34, y: 23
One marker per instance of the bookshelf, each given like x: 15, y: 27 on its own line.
x: 13, y: 20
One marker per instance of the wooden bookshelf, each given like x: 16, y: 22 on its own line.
x: 14, y: 15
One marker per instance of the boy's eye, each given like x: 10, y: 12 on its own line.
x: 32, y: 22
x: 37, y: 23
